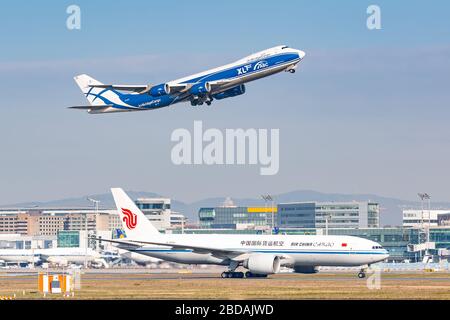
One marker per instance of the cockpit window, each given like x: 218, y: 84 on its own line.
x: 284, y: 47
x: 377, y: 247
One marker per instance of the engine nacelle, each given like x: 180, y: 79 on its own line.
x: 159, y: 90
x: 232, y: 92
x: 306, y: 269
x: 263, y: 263
x: 200, y: 88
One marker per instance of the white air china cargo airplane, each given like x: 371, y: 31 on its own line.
x: 53, y: 255
x: 219, y: 83
x: 260, y: 254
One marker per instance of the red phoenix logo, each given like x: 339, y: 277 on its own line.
x: 129, y: 218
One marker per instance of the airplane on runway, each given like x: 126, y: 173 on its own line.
x: 223, y: 82
x: 260, y: 254
x: 60, y: 256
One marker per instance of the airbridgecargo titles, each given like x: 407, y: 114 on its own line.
x: 261, y: 255
x: 216, y: 84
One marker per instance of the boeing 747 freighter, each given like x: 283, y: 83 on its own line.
x: 215, y: 84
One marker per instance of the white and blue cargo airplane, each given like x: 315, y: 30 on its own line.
x: 260, y: 254
x: 219, y: 83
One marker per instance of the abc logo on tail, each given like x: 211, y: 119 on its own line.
x: 129, y: 218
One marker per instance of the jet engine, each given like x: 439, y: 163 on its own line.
x: 263, y: 263
x: 232, y: 92
x: 306, y: 269
x: 159, y: 90
x: 200, y: 88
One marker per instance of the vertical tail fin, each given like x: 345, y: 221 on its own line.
x: 84, y: 81
x: 134, y: 222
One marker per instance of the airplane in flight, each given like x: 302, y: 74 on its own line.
x: 223, y: 82
x: 260, y: 254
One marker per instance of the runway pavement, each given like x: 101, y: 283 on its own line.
x: 200, y: 284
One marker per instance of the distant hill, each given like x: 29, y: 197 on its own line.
x: 391, y: 208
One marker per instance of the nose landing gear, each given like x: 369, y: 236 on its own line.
x: 291, y: 69
x: 362, y: 272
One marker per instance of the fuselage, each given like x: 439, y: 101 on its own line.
x: 250, y: 68
x: 296, y: 250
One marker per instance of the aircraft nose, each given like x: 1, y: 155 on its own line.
x: 301, y: 54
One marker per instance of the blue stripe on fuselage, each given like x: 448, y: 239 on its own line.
x: 292, y: 251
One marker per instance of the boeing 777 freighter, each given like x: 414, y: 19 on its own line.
x: 219, y: 83
x: 260, y: 254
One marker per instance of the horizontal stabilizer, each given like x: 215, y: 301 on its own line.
x: 133, y: 88
x: 96, y: 107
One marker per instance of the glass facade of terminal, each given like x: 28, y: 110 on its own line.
x: 230, y: 217
x: 339, y: 215
x: 294, y: 215
x: 291, y: 215
x: 68, y: 239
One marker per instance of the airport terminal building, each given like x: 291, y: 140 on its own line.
x: 234, y: 217
x: 335, y: 214
x: 293, y: 215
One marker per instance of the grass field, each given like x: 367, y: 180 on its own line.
x: 420, y: 285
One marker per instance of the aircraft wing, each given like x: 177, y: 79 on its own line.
x: 122, y: 242
x: 124, y: 87
x: 236, y: 255
x: 220, y: 253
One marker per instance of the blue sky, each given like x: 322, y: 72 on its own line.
x: 367, y: 112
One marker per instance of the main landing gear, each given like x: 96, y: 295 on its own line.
x: 199, y: 100
x: 248, y: 274
x: 232, y: 274
x: 240, y: 275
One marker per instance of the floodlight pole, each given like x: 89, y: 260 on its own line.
x: 327, y: 216
x: 182, y: 225
x: 95, y: 202
x: 429, y: 217
x: 267, y: 198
